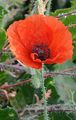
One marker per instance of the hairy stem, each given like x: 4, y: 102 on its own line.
x: 34, y: 10
x: 48, y: 7
x: 44, y: 91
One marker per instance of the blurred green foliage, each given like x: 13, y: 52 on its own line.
x: 8, y: 114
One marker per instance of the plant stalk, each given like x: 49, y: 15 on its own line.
x: 44, y: 98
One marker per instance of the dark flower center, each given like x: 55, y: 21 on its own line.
x: 42, y: 51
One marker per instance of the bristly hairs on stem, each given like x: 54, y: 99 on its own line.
x: 44, y: 98
x: 42, y: 6
x: 34, y: 8
x: 49, y: 6
x: 41, y: 10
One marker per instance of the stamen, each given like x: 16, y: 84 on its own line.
x: 42, y: 51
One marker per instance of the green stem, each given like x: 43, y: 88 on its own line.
x: 34, y: 10
x: 49, y: 7
x: 44, y: 98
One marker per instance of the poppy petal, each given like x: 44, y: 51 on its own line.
x: 45, y: 32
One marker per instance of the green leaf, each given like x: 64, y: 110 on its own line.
x: 74, y: 55
x: 24, y: 93
x: 49, y: 85
x: 2, y: 14
x: 4, y: 56
x: 68, y: 21
x: 73, y: 3
x: 24, y: 96
x: 58, y: 116
x: 36, y: 77
x: 5, y: 77
x: 8, y: 114
x: 62, y: 11
x: 65, y: 85
x: 2, y: 38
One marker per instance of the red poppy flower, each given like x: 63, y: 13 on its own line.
x: 38, y: 39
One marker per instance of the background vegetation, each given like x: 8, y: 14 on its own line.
x: 19, y: 98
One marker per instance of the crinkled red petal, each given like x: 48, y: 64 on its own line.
x: 40, y: 29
